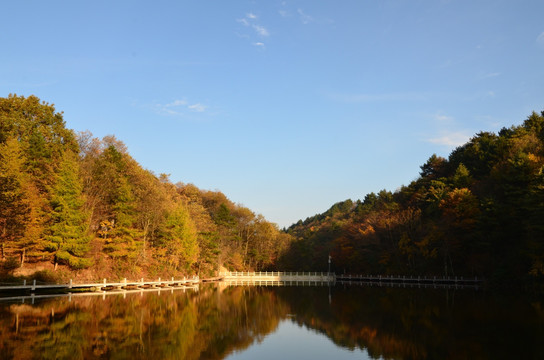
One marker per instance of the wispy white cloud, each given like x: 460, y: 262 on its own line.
x: 198, y: 107
x: 178, y: 107
x: 176, y: 103
x: 305, y: 18
x: 251, y: 21
x: 163, y: 110
x: 243, y: 21
x: 488, y: 75
x: 261, y: 30
x: 490, y: 121
x: 446, y: 131
x: 284, y: 13
x: 540, y: 38
x: 457, y: 138
x: 442, y: 118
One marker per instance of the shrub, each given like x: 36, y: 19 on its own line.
x: 45, y: 276
x: 11, y: 263
x: 79, y: 263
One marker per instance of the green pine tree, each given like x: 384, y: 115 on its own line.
x: 14, y: 206
x: 67, y: 233
x: 179, y: 237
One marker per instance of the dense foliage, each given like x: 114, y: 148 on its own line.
x: 85, y: 203
x: 479, y: 212
x: 79, y: 202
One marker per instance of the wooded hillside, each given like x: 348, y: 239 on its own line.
x: 84, y: 203
x: 478, y: 213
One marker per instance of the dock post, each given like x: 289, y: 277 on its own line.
x: 33, y: 288
x: 24, y: 282
x: 70, y: 285
x: 104, y: 282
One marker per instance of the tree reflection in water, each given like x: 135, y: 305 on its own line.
x: 216, y: 320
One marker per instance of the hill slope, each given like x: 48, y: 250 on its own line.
x: 84, y: 207
x: 479, y: 212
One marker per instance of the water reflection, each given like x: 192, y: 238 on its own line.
x: 292, y: 341
x: 218, y: 320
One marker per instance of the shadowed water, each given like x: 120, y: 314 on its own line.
x: 234, y: 322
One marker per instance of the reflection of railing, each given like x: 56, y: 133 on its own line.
x: 233, y: 282
x: 409, y: 285
x: 411, y: 279
x: 32, y: 297
x: 105, y: 285
x: 277, y: 276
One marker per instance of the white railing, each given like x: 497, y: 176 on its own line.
x: 272, y: 273
x: 36, y: 285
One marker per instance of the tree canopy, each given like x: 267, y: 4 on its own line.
x: 477, y: 213
x: 84, y: 204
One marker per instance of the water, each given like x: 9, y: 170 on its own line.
x: 229, y: 322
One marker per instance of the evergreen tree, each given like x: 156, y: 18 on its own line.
x: 67, y: 234
x: 14, y: 207
x: 179, y: 239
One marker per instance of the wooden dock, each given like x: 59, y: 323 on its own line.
x: 99, y: 286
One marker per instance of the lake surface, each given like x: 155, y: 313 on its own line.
x: 218, y: 321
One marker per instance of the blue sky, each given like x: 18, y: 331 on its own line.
x: 285, y: 106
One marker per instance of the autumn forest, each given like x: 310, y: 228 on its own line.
x: 75, y: 205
